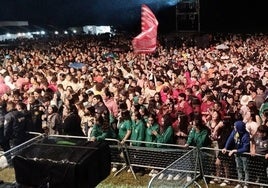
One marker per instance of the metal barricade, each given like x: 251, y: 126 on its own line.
x: 8, y: 155
x: 177, y: 166
x: 226, y: 170
x: 181, y: 173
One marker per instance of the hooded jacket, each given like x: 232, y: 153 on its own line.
x: 239, y: 138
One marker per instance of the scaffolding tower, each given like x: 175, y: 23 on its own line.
x: 188, y: 16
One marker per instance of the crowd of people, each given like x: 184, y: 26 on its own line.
x: 186, y: 95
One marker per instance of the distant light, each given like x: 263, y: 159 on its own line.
x: 8, y: 35
x: 37, y: 32
x: 23, y: 34
x: 29, y: 34
x: 43, y: 32
x: 65, y: 32
x: 56, y: 32
x: 74, y: 31
x: 19, y: 34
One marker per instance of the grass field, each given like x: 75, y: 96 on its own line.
x: 122, y: 180
x: 125, y: 180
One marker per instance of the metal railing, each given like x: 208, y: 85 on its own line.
x: 177, y: 166
x: 226, y: 170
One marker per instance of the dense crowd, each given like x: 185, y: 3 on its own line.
x: 90, y: 86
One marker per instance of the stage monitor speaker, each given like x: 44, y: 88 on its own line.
x: 58, y: 163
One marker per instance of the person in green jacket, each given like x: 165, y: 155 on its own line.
x: 198, y: 137
x: 152, y: 126
x: 165, y: 134
x: 138, y: 134
x: 124, y: 126
x: 99, y: 132
x: 138, y: 129
x: 199, y: 134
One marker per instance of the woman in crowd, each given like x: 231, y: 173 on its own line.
x: 151, y: 126
x: 165, y: 134
x: 53, y: 121
x: 199, y: 135
x: 124, y: 126
x: 181, y: 128
x: 87, y: 120
x: 99, y: 132
x: 259, y: 151
x: 138, y: 129
x: 71, y: 121
x: 219, y: 137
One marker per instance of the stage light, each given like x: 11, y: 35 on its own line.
x: 65, y: 32
x: 43, y: 32
x: 56, y: 32
x: 8, y: 35
x: 74, y: 31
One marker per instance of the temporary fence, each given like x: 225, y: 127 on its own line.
x: 8, y: 155
x: 219, y: 168
x: 180, y: 167
x: 177, y: 166
x: 170, y: 161
x: 181, y: 173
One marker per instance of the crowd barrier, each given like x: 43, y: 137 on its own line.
x: 177, y: 166
x: 8, y: 155
x: 227, y: 169
x: 191, y: 166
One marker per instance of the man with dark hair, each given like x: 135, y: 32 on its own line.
x: 14, y: 125
x: 101, y: 110
x: 183, y: 105
x: 260, y: 97
x: 34, y: 106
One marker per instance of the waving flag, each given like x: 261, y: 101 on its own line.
x: 146, y: 41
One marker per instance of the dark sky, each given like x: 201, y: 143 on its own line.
x: 215, y: 14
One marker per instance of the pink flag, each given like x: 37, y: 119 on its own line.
x: 146, y: 41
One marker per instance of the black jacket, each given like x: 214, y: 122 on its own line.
x: 15, y: 127
x: 72, y: 125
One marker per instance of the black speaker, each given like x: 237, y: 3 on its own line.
x: 63, y: 163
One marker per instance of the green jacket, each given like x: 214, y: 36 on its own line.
x: 199, y: 139
x: 100, y: 135
x: 166, y: 137
x: 263, y: 108
x: 124, y: 126
x: 149, y: 136
x: 138, y: 132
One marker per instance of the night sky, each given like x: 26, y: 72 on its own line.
x: 214, y: 14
